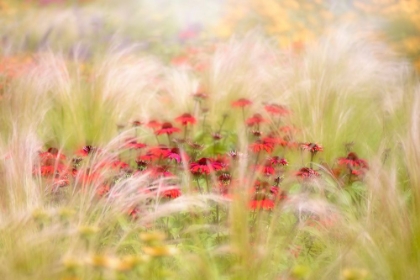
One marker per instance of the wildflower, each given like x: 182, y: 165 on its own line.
x: 85, y: 151
x: 255, y: 119
x: 49, y: 170
x: 160, y: 251
x: 276, y: 109
x: 133, y: 212
x: 88, y: 231
x: 153, y: 124
x: 175, y: 154
x: 312, y: 147
x: 233, y: 154
x: 71, y: 263
x: 137, y: 123
x: 277, y: 160
x: 152, y: 236
x: 260, y: 145
x: 133, y: 144
x: 242, y: 102
x: 129, y: 262
x: 185, y: 119
x: 352, y: 160
x: 160, y: 171
x: 160, y: 151
x: 278, y: 193
x: 256, y: 133
x: 51, y: 155
x: 222, y: 160
x: 102, y: 190
x: 216, y: 136
x: 98, y: 261
x: 167, y: 128
x: 275, y: 140
x: 173, y: 192
x: 307, y: 173
x: 205, y: 166
x: 200, y: 96
x: 113, y: 164
x: 266, y: 169
x: 265, y: 204
x: 225, y: 178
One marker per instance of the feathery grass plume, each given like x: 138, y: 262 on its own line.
x: 337, y: 77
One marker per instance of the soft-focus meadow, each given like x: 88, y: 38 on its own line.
x: 269, y: 139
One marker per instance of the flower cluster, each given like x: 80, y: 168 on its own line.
x: 207, y: 159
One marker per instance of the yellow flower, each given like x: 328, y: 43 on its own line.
x: 354, y: 274
x: 160, y: 251
x: 98, y: 261
x: 152, y: 236
x: 88, y: 231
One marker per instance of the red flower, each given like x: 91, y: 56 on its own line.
x: 160, y: 171
x: 153, y: 124
x: 175, y: 154
x: 167, y: 128
x: 51, y: 155
x: 225, y: 178
x: 159, y: 151
x: 133, y: 144
x: 276, y: 109
x: 277, y: 160
x: 49, y: 170
x: 242, y: 102
x: 205, y: 166
x: 185, y: 119
x: 265, y: 204
x: 266, y: 169
x: 255, y: 119
x: 260, y: 145
x: 102, y: 190
x: 352, y: 160
x: 274, y: 140
x: 85, y: 151
x: 133, y: 212
x: 278, y: 193
x: 88, y: 177
x: 173, y: 192
x: 312, y: 147
x: 307, y: 173
x: 137, y: 123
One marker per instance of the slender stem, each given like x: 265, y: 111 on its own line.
x: 207, y: 183
x: 169, y: 140
x: 185, y: 132
x: 198, y: 185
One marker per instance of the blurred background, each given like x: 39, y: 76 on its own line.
x: 177, y: 30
